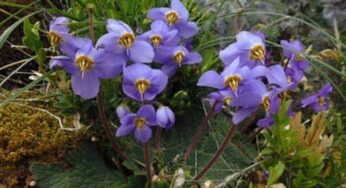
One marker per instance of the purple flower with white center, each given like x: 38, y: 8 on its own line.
x: 139, y: 123
x: 176, y: 17
x: 232, y: 77
x: 319, y: 101
x: 160, y: 35
x: 86, y: 66
x: 174, y: 57
x: 293, y: 50
x: 249, y: 48
x: 122, y: 110
x: 122, y: 41
x: 141, y: 83
x: 165, y: 117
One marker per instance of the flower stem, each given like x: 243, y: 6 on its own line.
x: 199, y: 132
x: 108, y: 130
x: 90, y: 11
x: 158, y: 138
x: 222, y: 147
x: 147, y: 163
x: 99, y: 98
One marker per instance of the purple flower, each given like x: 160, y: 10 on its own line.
x: 139, y: 124
x: 174, y: 57
x: 294, y: 77
x: 293, y: 50
x: 176, y: 17
x: 249, y: 48
x: 122, y: 41
x: 257, y: 95
x: 277, y: 78
x: 59, y: 35
x: 160, y: 35
x: 227, y: 98
x: 122, y: 110
x: 165, y: 117
x: 58, y: 27
x: 140, y: 82
x: 319, y: 101
x: 86, y: 66
x: 221, y: 98
x: 232, y: 77
x: 266, y: 122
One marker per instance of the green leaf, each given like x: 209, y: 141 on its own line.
x: 88, y: 170
x: 31, y: 35
x: 136, y: 182
x: 275, y: 172
x: 9, y: 30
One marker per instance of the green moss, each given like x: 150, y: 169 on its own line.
x: 28, y: 134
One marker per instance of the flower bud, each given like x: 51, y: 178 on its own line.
x: 122, y: 110
x: 165, y: 117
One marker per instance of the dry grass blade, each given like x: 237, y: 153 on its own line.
x: 296, y: 125
x: 315, y: 131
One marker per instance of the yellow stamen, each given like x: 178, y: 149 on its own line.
x: 172, y: 17
x: 227, y: 100
x: 140, y: 123
x: 127, y: 40
x: 156, y: 40
x: 289, y: 79
x: 84, y: 63
x: 142, y: 85
x: 233, y: 81
x: 257, y: 52
x: 283, y: 95
x: 179, y: 57
x: 299, y: 57
x: 322, y: 101
x: 266, y: 103
x: 55, y: 38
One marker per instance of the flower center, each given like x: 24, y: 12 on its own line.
x: 84, y: 63
x: 54, y: 37
x: 283, y: 95
x: 266, y: 103
x: 127, y: 39
x: 172, y: 17
x: 257, y: 53
x: 140, y: 123
x: 227, y: 100
x: 321, y: 101
x: 233, y: 81
x: 298, y: 57
x: 179, y: 56
x: 142, y: 85
x: 156, y: 40
x: 289, y: 79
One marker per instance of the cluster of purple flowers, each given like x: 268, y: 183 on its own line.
x: 247, y: 84
x: 139, y: 123
x: 121, y: 51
